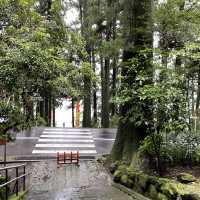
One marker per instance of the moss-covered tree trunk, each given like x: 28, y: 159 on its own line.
x: 138, y: 36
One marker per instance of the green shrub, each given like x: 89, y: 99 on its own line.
x: 2, y: 190
x: 186, y: 178
x: 40, y: 121
x: 114, y: 121
x: 171, y: 149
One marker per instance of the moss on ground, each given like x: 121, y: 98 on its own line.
x: 186, y: 178
x: 155, y: 187
x: 19, y: 197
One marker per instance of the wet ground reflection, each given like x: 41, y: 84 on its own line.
x: 89, y: 181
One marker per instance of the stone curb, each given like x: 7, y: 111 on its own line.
x: 132, y: 193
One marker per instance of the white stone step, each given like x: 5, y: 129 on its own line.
x: 64, y: 140
x: 62, y: 151
x: 66, y: 129
x: 66, y: 132
x: 67, y: 136
x: 66, y: 145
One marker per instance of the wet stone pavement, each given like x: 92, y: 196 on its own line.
x: 89, y: 181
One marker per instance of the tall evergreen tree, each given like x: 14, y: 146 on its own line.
x: 83, y: 9
x: 138, y: 36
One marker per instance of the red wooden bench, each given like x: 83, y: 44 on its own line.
x: 68, y: 158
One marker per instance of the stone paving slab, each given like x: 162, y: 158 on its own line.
x: 89, y: 181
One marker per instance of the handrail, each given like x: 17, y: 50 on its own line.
x: 17, y: 178
x: 14, y: 179
x: 12, y: 167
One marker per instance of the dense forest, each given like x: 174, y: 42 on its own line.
x: 134, y: 64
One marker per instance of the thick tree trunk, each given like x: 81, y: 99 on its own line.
x: 127, y: 141
x: 137, y: 15
x: 129, y: 135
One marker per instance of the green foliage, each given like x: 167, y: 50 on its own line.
x: 150, y: 144
x: 11, y: 117
x: 40, y: 121
x: 151, y: 186
x: 171, y: 149
x: 186, y: 178
x: 163, y: 97
x: 177, y: 22
x: 39, y: 57
x: 114, y: 121
x: 2, y: 190
x: 183, y: 148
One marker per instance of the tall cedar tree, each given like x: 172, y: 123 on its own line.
x: 83, y: 6
x: 138, y: 35
x: 105, y: 79
x: 46, y: 104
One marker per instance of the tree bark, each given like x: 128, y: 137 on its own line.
x: 105, y: 80
x: 83, y: 6
x: 94, y: 91
x: 72, y: 112
x: 49, y: 111
x: 87, y: 98
x: 54, y: 113
x: 137, y: 16
x: 105, y: 95
x: 46, y: 104
x: 114, y: 67
x: 114, y: 82
x: 42, y: 114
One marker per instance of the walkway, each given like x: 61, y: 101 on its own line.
x: 53, y: 140
x: 24, y: 147
x: 89, y: 181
